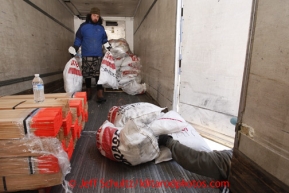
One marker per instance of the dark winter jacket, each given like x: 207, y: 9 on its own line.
x: 90, y: 36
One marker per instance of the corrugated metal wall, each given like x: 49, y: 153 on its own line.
x: 35, y: 36
x: 154, y: 43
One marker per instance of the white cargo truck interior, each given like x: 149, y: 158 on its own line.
x: 210, y: 60
x: 210, y: 51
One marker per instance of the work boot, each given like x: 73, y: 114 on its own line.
x: 88, y: 93
x: 99, y: 96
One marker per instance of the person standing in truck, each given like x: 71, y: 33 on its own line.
x: 91, y: 36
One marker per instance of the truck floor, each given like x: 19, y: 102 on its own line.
x: 92, y: 172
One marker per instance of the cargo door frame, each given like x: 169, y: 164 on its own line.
x: 211, y: 123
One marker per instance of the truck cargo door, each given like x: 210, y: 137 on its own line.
x: 213, y: 47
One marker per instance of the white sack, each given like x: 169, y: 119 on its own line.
x: 130, y: 145
x: 170, y: 122
x: 137, y: 145
x: 119, y: 48
x: 142, y: 113
x: 107, y: 142
x: 134, y: 88
x: 107, y: 75
x: 72, y: 77
x: 188, y: 137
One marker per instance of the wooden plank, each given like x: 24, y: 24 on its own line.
x: 271, y: 161
x: 247, y: 176
x: 265, y: 103
x: 35, y: 181
x: 267, y: 110
x: 6, y: 104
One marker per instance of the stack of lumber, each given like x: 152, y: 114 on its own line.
x: 32, y: 163
x: 36, y: 137
x: 16, y: 124
x: 74, y: 113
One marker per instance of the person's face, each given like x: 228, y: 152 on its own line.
x: 94, y: 18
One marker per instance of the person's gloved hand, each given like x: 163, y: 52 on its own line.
x: 163, y: 139
x: 73, y: 50
x: 107, y: 46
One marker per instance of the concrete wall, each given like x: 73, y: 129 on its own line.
x: 265, y: 123
x: 32, y: 42
x: 154, y: 43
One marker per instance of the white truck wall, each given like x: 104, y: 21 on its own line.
x: 154, y: 43
x: 214, y: 45
x: 32, y: 42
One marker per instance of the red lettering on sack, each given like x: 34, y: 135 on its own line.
x: 171, y: 119
x: 108, y: 63
x: 74, y: 71
x: 108, y: 56
x: 74, y: 63
x: 134, y: 57
x: 106, y: 141
x: 112, y: 114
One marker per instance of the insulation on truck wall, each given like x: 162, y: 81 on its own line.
x: 34, y: 40
x: 154, y: 43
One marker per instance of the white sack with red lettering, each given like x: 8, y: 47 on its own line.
x: 191, y: 138
x: 142, y: 113
x: 170, y: 122
x: 107, y: 76
x: 107, y: 142
x: 131, y: 61
x: 137, y: 145
x: 72, y: 77
x: 134, y: 88
x: 130, y: 67
x: 130, y: 145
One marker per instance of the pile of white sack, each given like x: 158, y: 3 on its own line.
x: 131, y: 133
x: 120, y: 68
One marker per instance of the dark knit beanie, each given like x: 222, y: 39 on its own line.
x: 95, y: 10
